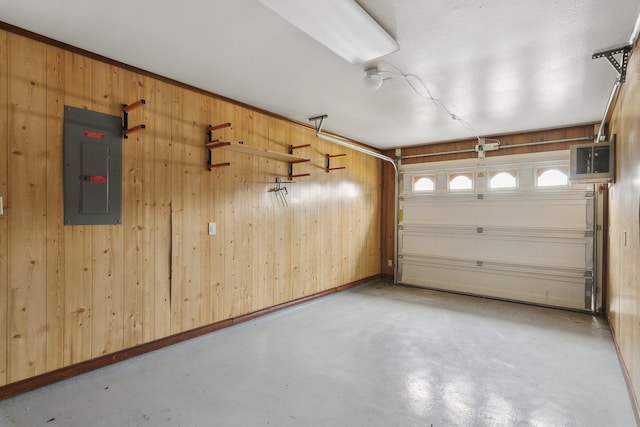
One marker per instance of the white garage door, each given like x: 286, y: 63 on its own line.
x: 507, y: 228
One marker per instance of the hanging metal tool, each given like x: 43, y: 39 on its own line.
x: 281, y: 191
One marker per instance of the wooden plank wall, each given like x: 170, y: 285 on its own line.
x: 623, y: 293
x: 4, y: 193
x: 72, y: 293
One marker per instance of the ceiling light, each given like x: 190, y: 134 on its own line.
x: 340, y: 25
x: 373, y: 79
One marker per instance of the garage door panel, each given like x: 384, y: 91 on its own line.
x: 537, y: 251
x: 560, y: 290
x: 515, y: 213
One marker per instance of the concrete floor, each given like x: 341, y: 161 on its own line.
x: 376, y: 355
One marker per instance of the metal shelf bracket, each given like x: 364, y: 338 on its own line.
x: 620, y: 67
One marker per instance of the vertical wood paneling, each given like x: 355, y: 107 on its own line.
x: 133, y: 187
x: 339, y: 226
x: 78, y: 277
x: 177, y: 235
x: 373, y: 224
x: 4, y: 248
x: 55, y: 209
x: 193, y: 224
x: 217, y: 243
x: 251, y: 235
x: 270, y: 233
x: 296, y: 283
x: 305, y: 218
x: 260, y: 287
x: 160, y: 127
x: 147, y: 92
x: 27, y: 222
x: 359, y: 243
x: 107, y: 266
x: 315, y: 200
x: 208, y: 282
x: 244, y: 131
x: 320, y: 149
x: 78, y: 298
x: 623, y: 291
x: 76, y: 292
x: 233, y: 222
x: 347, y: 220
x: 280, y: 137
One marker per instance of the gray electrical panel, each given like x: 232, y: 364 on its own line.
x: 92, y: 167
x: 592, y: 163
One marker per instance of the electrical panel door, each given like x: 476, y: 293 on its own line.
x: 92, y: 167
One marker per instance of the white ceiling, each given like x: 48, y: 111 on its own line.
x: 500, y: 65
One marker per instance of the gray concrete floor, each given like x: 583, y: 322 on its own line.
x: 376, y: 355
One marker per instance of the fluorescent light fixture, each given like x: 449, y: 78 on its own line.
x: 340, y: 25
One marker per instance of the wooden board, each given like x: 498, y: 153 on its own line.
x: 193, y: 225
x: 4, y: 187
x: 27, y: 213
x: 55, y: 209
x: 207, y: 262
x: 242, y: 220
x: 262, y: 152
x: 175, y: 227
x: 217, y: 247
x: 148, y: 144
x: 280, y: 248
x: 159, y: 109
x: 132, y: 218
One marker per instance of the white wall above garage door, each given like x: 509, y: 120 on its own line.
x: 529, y: 243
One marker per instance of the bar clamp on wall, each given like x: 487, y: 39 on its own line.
x: 125, y: 111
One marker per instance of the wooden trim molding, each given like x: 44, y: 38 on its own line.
x: 635, y: 404
x: 67, y: 372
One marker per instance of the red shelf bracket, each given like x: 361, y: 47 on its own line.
x: 328, y: 167
x: 215, y: 143
x: 291, y: 174
x: 125, y: 113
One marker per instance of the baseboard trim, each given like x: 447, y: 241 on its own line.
x: 67, y: 372
x: 627, y: 378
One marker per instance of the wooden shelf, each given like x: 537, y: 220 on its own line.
x: 283, y: 157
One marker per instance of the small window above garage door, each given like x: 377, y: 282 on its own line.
x: 555, y: 176
x: 460, y: 181
x: 500, y: 179
x: 424, y: 183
